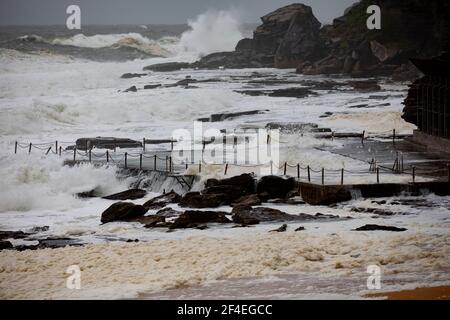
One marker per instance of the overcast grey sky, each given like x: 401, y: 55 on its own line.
x: 31, y: 12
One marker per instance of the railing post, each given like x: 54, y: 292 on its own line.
x: 378, y: 175
x: 395, y: 168
x: 393, y: 136
x: 107, y: 156
x: 154, y: 163
x: 298, y: 171
x: 323, y: 176
x: 126, y: 160
x: 362, y: 137
x: 224, y: 150
x: 170, y: 164
x: 90, y: 156
x: 285, y: 168
x: 15, y: 148
x: 48, y: 150
x: 143, y: 144
x: 342, y: 176
x: 140, y: 161
x: 171, y: 145
x: 187, y: 163
x: 414, y: 174
x: 226, y: 169
x: 29, y: 148
x: 402, y: 163
x: 56, y: 146
x: 74, y: 154
x: 309, y: 174
x: 60, y: 151
x: 199, y: 167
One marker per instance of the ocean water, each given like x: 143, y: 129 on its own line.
x: 56, y: 85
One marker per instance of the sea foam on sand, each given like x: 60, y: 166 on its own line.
x: 123, y: 271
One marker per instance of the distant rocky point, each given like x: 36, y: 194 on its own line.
x: 292, y: 37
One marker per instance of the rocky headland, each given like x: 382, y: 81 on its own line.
x: 292, y: 37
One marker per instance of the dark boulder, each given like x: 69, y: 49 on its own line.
x: 291, y: 93
x: 247, y: 215
x: 131, y: 194
x: 217, y: 117
x: 88, y: 194
x: 200, y: 201
x: 191, y: 219
x: 168, y: 213
x: 234, y: 60
x: 275, y: 187
x: 374, y: 227
x: 227, y: 193
x: 122, y: 211
x: 245, y: 181
x: 5, y: 245
x: 185, y: 82
x: 58, y: 242
x: 39, y: 229
x: 369, y: 85
x: 50, y: 243
x: 148, y: 221
x: 374, y: 211
x: 236, y: 186
x: 132, y: 75
x: 152, y: 86
x: 13, y: 235
x: 167, y: 67
x: 161, y: 201
x: 249, y: 200
x: 283, y: 228
x: 279, y: 93
x: 131, y: 89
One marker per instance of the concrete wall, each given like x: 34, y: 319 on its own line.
x: 432, y: 143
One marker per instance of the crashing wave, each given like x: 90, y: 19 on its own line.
x: 115, y: 41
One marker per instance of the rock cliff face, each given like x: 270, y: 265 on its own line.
x: 291, y: 37
x: 408, y: 29
x: 290, y: 34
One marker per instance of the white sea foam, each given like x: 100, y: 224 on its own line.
x: 210, y: 32
x: 123, y: 271
x: 37, y: 183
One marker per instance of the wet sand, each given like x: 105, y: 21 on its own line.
x: 433, y: 293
